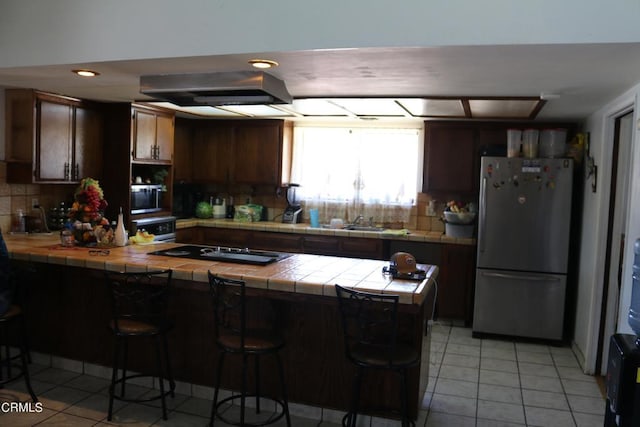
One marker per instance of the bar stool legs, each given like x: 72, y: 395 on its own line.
x: 245, y: 394
x: 121, y: 349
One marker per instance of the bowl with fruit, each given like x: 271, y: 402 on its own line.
x: 458, y: 213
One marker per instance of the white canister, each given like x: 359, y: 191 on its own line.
x: 530, y: 143
x: 553, y: 143
x: 513, y: 142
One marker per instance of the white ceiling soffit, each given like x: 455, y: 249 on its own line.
x: 517, y: 108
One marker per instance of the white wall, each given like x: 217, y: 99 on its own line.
x: 594, y: 227
x: 45, y: 32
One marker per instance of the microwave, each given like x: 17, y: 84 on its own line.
x: 146, y: 198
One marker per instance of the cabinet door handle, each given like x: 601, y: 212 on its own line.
x: 66, y: 171
x: 76, y: 172
x: 157, y: 151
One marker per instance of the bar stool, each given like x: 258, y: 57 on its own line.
x: 139, y: 310
x: 13, y: 323
x: 370, y: 327
x: 14, y: 366
x: 235, y: 336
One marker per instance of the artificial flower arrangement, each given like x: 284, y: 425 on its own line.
x: 86, y: 214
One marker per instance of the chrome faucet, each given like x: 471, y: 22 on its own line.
x: 357, y: 220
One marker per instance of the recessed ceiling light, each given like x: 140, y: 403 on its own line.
x: 263, y: 63
x: 86, y: 73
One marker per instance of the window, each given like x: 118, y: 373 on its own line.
x: 346, y: 172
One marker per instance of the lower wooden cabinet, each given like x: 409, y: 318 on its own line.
x: 456, y: 283
x: 189, y: 235
x: 281, y: 242
x: 456, y: 279
x: 350, y: 247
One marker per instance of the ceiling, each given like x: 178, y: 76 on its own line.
x: 580, y: 78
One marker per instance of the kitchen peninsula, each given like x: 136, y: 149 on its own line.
x: 69, y: 311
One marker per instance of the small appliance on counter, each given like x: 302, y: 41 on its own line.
x: 219, y: 208
x: 164, y: 227
x: 623, y: 368
x: 293, y: 212
x: 403, y: 266
x: 231, y: 210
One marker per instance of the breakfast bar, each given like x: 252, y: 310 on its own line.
x: 68, y: 314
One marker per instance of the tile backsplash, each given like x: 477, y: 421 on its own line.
x: 19, y: 196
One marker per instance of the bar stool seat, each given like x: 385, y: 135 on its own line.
x: 139, y: 310
x: 370, y: 328
x: 233, y: 336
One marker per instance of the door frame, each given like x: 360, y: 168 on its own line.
x: 621, y: 148
x: 604, y: 132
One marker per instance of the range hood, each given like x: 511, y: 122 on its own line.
x: 216, y: 89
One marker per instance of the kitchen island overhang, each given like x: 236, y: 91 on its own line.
x: 69, y: 285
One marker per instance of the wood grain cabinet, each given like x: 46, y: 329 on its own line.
x: 253, y: 152
x: 350, y: 247
x: 258, y: 156
x: 152, y: 134
x: 456, y: 283
x: 211, y: 153
x: 448, y: 159
x: 182, y: 153
x: 453, y: 149
x: 51, y: 138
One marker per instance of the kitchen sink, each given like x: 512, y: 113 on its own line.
x: 362, y: 228
x: 225, y: 254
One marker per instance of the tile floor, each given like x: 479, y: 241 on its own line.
x: 472, y: 382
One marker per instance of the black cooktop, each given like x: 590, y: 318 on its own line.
x: 225, y: 254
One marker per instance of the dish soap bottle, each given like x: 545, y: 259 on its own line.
x: 120, y: 235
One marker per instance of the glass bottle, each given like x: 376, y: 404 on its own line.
x: 120, y: 234
x: 66, y: 236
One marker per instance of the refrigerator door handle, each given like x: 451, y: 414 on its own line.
x: 483, y: 213
x: 521, y: 277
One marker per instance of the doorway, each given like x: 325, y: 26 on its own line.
x: 614, y: 257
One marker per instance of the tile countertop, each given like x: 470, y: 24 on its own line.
x: 300, y: 273
x: 412, y: 235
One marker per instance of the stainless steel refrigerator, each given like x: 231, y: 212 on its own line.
x: 523, y: 247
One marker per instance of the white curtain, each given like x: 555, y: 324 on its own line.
x: 346, y: 172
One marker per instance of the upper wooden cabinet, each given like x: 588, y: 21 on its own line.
x: 259, y: 152
x: 152, y: 134
x: 211, y: 153
x: 51, y: 138
x: 182, y: 153
x: 253, y: 152
x: 448, y: 158
x: 453, y: 149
